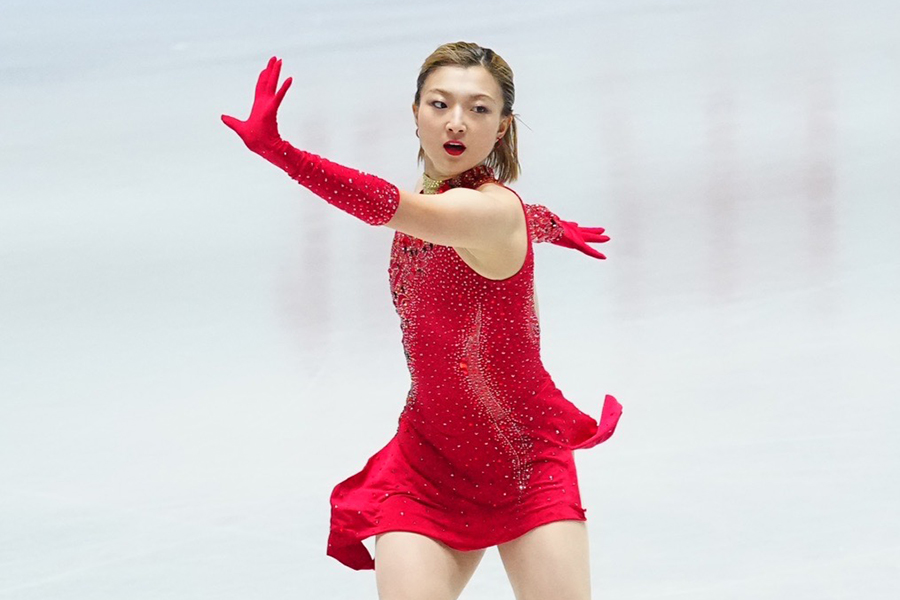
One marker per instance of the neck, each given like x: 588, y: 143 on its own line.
x: 471, y: 178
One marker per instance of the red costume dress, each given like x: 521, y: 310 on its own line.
x: 483, y: 450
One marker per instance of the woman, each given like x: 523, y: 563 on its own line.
x: 482, y: 455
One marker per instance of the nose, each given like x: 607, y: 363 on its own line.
x: 455, y: 122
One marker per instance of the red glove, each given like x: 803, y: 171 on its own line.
x: 576, y: 237
x: 546, y: 226
x: 364, y: 196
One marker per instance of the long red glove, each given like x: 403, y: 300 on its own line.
x: 546, y: 226
x: 366, y: 197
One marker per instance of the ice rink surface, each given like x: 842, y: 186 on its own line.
x: 194, y: 349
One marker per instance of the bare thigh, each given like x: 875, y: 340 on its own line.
x: 412, y: 566
x: 550, y: 561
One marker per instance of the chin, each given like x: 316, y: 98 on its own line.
x: 451, y: 167
x: 462, y: 165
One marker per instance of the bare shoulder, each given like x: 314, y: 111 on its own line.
x: 509, y: 199
x: 506, y: 258
x: 502, y: 192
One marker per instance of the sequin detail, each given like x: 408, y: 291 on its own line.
x: 543, y: 224
x: 511, y: 434
x: 363, y: 195
x: 408, y: 264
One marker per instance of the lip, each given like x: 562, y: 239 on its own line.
x: 454, y: 147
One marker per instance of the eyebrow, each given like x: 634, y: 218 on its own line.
x: 446, y: 93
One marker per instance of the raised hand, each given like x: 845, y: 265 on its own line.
x: 260, y: 131
x: 366, y: 197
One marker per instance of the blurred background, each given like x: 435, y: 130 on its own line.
x: 194, y: 349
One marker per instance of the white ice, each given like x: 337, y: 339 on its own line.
x: 194, y: 349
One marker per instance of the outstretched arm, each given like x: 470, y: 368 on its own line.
x: 458, y: 217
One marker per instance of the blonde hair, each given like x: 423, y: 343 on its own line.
x: 504, y: 158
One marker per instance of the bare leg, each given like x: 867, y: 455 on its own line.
x: 550, y: 561
x: 411, y: 566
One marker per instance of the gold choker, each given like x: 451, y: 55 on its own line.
x: 429, y: 185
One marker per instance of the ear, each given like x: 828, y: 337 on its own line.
x: 415, y: 112
x: 504, y: 126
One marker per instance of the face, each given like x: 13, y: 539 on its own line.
x: 460, y: 104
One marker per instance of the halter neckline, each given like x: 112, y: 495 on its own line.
x: 471, y: 178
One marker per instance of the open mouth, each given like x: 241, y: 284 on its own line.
x: 454, y: 148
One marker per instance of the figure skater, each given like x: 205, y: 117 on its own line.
x: 483, y: 452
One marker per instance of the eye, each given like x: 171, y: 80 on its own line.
x: 486, y: 110
x: 433, y: 101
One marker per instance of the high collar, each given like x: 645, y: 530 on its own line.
x: 474, y: 177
